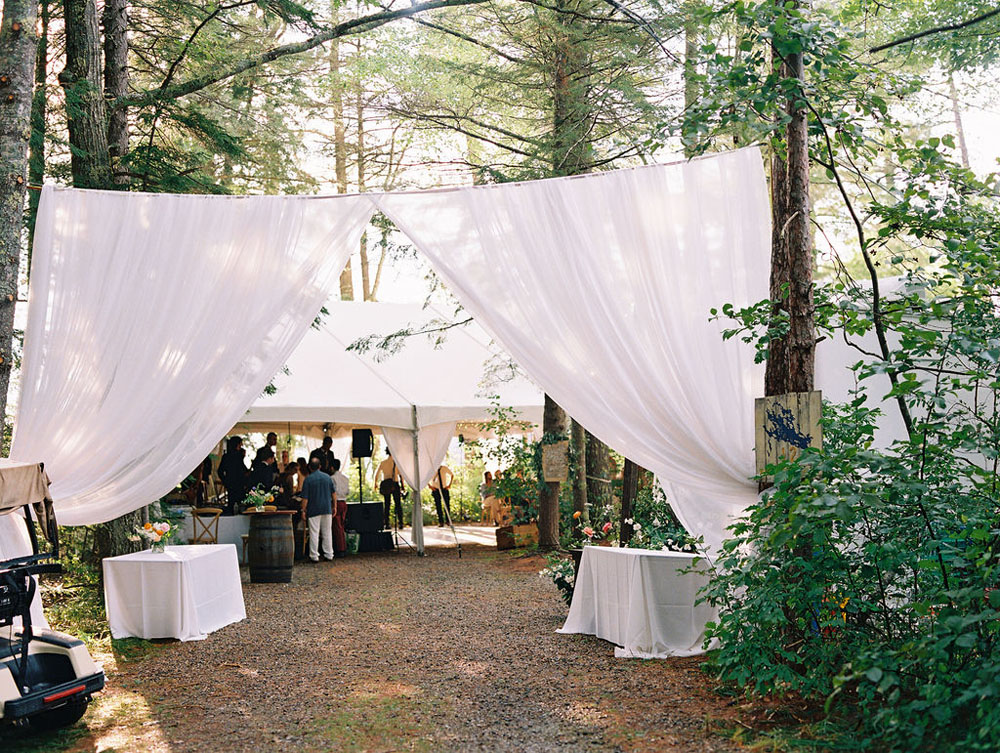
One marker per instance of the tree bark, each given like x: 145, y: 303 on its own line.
x: 85, y: 108
x: 802, y: 330
x: 359, y: 108
x: 791, y: 359
x: 553, y: 425
x: 963, y: 147
x: 598, y: 473
x: 36, y: 145
x: 115, y: 20
x: 339, y: 140
x: 578, y: 440
x: 630, y: 488
x: 17, y: 66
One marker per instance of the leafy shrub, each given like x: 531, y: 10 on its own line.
x: 869, y: 578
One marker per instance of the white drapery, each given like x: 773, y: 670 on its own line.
x: 432, y: 445
x: 601, y: 287
x: 154, y: 320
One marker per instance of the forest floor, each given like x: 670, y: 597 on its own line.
x: 390, y: 652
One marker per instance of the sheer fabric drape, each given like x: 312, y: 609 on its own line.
x: 154, y: 321
x: 432, y: 446
x: 601, y: 288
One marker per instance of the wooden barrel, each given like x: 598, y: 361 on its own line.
x: 271, y: 548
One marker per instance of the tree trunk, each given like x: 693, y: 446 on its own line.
x: 790, y: 363
x: 85, y: 109
x: 116, y: 83
x: 17, y: 67
x: 553, y: 425
x: 598, y: 473
x: 802, y: 330
x: 630, y: 488
x: 339, y: 140
x: 36, y: 145
x: 578, y: 440
x: 957, y: 114
x: 359, y: 105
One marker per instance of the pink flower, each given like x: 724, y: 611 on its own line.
x: 588, y: 531
x: 606, y: 527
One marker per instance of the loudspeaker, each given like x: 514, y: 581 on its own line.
x: 362, y: 443
x: 366, y: 517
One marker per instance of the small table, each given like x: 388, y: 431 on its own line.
x: 185, y: 592
x: 640, y: 600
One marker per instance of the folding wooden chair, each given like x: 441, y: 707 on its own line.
x: 205, y: 525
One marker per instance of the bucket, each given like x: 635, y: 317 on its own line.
x: 353, y: 539
x: 271, y: 548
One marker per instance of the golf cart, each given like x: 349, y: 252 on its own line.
x: 46, y: 678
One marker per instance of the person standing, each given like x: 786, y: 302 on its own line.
x: 388, y: 483
x: 267, y: 451
x: 440, y: 486
x: 341, y: 487
x: 233, y: 474
x: 325, y: 455
x: 317, y: 507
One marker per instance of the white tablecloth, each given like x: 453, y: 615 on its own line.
x: 639, y: 600
x: 231, y: 528
x: 185, y: 592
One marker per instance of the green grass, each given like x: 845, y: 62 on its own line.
x: 372, y: 723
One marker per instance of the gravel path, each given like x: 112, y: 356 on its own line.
x: 392, y: 652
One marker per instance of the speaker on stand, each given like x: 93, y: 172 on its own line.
x: 362, y: 446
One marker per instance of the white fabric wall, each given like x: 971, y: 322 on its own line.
x: 600, y: 288
x: 154, y: 321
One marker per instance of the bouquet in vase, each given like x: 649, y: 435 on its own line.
x: 157, y: 534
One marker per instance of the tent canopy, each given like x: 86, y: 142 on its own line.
x: 327, y: 389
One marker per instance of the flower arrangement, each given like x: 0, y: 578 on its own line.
x: 257, y: 497
x: 157, y: 534
x: 592, y: 534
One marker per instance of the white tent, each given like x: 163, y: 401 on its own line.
x: 418, y: 397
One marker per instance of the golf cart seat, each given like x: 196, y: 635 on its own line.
x: 46, y: 677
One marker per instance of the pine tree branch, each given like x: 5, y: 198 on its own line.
x: 347, y: 28
x: 937, y: 30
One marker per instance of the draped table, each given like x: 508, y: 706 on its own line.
x: 641, y: 601
x: 185, y: 592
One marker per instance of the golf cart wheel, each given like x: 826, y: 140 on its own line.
x: 64, y: 716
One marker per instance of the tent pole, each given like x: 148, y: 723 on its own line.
x: 417, y: 520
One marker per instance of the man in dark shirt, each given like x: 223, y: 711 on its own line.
x: 325, y: 455
x: 317, y: 507
x: 264, y: 474
x: 267, y: 450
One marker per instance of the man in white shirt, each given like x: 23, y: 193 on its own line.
x: 440, y: 486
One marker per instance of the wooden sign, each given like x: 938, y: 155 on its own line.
x: 555, y: 461
x: 786, y: 425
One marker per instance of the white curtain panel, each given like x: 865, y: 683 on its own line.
x: 432, y: 446
x: 601, y: 287
x: 432, y: 443
x: 154, y: 322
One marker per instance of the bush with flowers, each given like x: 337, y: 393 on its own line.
x: 654, y: 525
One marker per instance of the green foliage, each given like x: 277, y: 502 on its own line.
x: 654, y: 525
x: 868, y: 577
x: 561, y: 572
